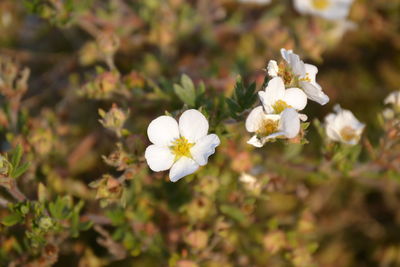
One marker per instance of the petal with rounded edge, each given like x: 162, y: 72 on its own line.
x: 297, y: 65
x: 285, y: 54
x: 290, y: 123
x: 159, y: 158
x: 274, y: 91
x: 184, y: 166
x: 314, y: 93
x: 204, y: 148
x: 255, y: 141
x: 163, y: 130
x: 193, y: 125
x: 254, y: 119
x: 312, y: 71
x: 272, y: 68
x: 295, y: 98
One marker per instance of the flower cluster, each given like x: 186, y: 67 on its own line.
x: 292, y: 83
x: 185, y: 146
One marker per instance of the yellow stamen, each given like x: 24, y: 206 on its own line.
x: 267, y: 127
x: 181, y: 148
x: 348, y: 133
x: 305, y: 79
x: 320, y: 4
x: 280, y: 106
x: 285, y: 73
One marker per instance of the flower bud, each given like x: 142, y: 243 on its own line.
x: 114, y: 119
x: 45, y: 223
x: 4, y: 165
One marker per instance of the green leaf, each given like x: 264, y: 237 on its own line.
x: 11, y: 219
x: 242, y: 99
x: 58, y: 208
x: 17, y: 172
x: 17, y: 155
x: 234, y: 213
x: 186, y: 91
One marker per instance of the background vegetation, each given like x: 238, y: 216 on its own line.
x: 81, y: 80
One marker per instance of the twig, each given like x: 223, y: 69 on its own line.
x: 11, y: 185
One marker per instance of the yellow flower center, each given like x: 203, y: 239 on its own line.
x: 280, y: 106
x: 267, y: 127
x: 285, y: 73
x: 181, y: 148
x: 348, y: 133
x: 320, y: 4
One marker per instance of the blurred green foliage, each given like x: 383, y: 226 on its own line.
x: 81, y: 80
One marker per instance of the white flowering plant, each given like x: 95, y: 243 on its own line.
x: 199, y: 133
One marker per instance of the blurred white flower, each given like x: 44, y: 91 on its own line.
x: 394, y: 99
x: 250, y: 182
x: 339, y: 28
x: 276, y: 98
x: 328, y: 9
x: 296, y: 73
x: 182, y: 147
x: 343, y: 126
x: 258, y: 2
x: 270, y: 126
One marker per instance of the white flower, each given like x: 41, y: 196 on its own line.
x: 182, y: 147
x: 257, y: 2
x: 276, y: 98
x: 328, y: 9
x: 270, y: 126
x: 343, y: 126
x: 296, y: 73
x: 394, y: 99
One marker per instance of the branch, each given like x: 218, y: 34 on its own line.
x: 11, y: 186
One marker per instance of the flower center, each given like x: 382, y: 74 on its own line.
x: 181, y: 148
x: 267, y: 127
x: 320, y: 4
x: 285, y: 73
x: 280, y: 106
x: 348, y: 133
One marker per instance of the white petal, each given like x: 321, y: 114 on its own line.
x: 332, y: 134
x: 393, y: 98
x: 163, y: 130
x: 184, y: 166
x: 294, y: 61
x: 314, y: 93
x: 159, y: 158
x: 193, y: 125
x: 303, y: 117
x: 254, y: 119
x: 204, y: 148
x: 312, y: 71
x: 273, y: 68
x: 290, y: 123
x: 295, y: 98
x: 285, y: 54
x: 255, y: 141
x: 336, y: 12
x: 297, y: 65
x: 330, y: 128
x: 274, y: 91
x: 276, y: 135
